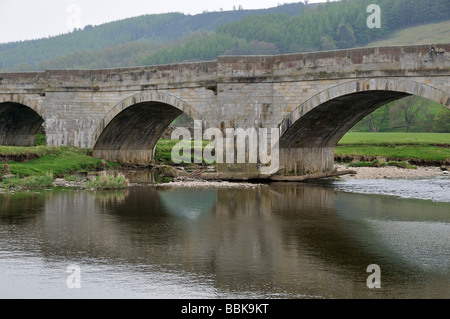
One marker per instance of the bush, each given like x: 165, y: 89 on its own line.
x: 441, y: 123
x: 108, y: 182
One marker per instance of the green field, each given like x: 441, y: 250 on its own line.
x: 56, y: 160
x: 163, y: 153
x: 395, y: 138
x: 38, y: 166
x: 433, y: 33
x: 431, y: 148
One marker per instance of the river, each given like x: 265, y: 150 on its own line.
x: 290, y: 241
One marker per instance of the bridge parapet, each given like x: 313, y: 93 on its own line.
x: 351, y: 63
x: 140, y: 78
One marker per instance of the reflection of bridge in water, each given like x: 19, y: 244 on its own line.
x: 295, y: 238
x: 313, y: 98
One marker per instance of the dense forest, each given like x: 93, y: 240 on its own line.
x: 334, y: 25
x: 121, y: 43
x: 176, y: 37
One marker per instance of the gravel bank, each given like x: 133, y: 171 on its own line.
x: 207, y: 184
x: 392, y: 172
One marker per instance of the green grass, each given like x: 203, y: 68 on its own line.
x: 433, y: 33
x: 399, y: 146
x: 58, y: 160
x: 39, y: 165
x: 28, y: 182
x: 389, y: 138
x: 163, y: 153
x: 41, y: 140
x: 30, y: 152
x: 107, y: 182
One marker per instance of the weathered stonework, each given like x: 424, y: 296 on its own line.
x: 313, y: 98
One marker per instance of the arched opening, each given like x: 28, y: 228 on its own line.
x: 130, y: 131
x: 326, y: 124
x: 19, y: 124
x: 412, y: 114
x: 310, y: 133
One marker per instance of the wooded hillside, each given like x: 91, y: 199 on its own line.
x: 176, y: 37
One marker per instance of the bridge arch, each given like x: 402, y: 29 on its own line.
x: 324, y: 119
x: 309, y: 134
x: 20, y: 120
x: 130, y: 130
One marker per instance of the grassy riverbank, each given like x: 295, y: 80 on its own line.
x: 416, y: 148
x: 38, y: 166
x: 42, y: 160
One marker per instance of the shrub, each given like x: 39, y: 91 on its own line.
x: 108, y: 182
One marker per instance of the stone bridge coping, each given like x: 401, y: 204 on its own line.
x: 390, y: 61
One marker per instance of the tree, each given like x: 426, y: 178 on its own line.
x: 409, y: 111
x: 374, y: 124
x: 345, y: 37
x: 441, y: 123
x: 327, y: 43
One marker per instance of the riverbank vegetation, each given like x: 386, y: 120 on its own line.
x: 40, y: 160
x: 17, y: 183
x: 39, y: 166
x: 415, y: 148
x: 163, y: 153
x: 106, y: 182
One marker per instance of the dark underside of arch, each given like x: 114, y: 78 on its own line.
x: 327, y: 123
x: 132, y: 135
x: 19, y: 125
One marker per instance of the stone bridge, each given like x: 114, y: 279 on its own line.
x: 312, y: 98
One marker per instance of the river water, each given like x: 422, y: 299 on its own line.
x: 275, y: 241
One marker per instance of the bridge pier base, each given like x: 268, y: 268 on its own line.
x: 21, y: 140
x: 244, y: 169
x: 304, y: 161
